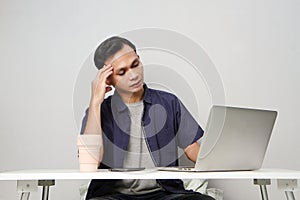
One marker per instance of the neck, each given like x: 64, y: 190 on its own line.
x: 133, y: 97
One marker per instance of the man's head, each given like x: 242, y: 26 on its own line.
x: 109, y: 48
x: 127, y: 76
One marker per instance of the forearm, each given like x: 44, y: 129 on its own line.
x: 93, y: 125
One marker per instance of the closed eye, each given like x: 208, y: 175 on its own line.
x: 135, y: 63
x: 121, y: 72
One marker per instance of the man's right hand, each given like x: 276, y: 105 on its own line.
x: 100, y: 85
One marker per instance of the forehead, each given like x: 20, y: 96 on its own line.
x: 126, y: 54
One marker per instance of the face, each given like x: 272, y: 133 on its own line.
x: 127, y: 75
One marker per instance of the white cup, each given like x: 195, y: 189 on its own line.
x: 89, y: 152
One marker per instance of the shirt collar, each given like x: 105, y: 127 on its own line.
x: 147, y: 95
x: 120, y: 105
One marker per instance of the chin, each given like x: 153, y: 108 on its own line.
x: 137, y: 89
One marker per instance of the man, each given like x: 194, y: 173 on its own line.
x: 141, y: 127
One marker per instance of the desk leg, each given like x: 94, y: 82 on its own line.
x: 25, y: 195
x: 263, y: 187
x: 288, y: 186
x: 46, y: 186
x: 289, y: 195
x: 25, y: 187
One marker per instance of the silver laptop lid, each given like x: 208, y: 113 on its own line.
x: 235, y: 139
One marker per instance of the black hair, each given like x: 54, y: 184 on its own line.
x: 108, y: 48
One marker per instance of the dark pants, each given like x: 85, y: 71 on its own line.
x: 160, y: 195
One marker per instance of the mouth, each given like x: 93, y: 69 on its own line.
x: 136, y: 84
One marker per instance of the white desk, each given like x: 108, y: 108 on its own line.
x: 287, y: 179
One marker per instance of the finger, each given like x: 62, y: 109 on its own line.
x: 106, y: 67
x: 101, y: 79
x: 103, y: 69
x: 107, y: 70
x: 106, y: 74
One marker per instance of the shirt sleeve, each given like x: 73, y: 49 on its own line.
x: 83, y: 123
x: 189, y: 131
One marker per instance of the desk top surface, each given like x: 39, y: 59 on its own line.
x: 75, y: 174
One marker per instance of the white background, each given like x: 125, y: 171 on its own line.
x: 253, y: 44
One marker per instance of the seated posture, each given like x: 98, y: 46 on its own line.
x: 140, y: 127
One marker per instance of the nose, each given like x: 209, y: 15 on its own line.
x: 132, y: 75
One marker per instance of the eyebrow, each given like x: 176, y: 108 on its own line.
x: 122, y: 68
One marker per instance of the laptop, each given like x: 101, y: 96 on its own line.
x: 236, y: 139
